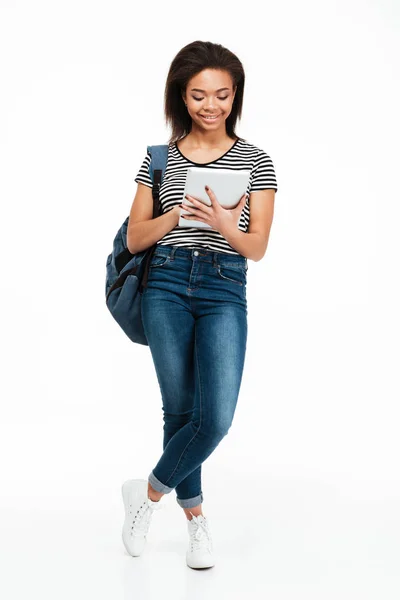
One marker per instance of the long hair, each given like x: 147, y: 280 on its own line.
x: 189, y: 61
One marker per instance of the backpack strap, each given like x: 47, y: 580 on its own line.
x: 159, y: 156
x: 157, y: 167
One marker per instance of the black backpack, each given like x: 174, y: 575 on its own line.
x: 126, y: 273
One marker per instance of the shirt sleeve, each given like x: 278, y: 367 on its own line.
x: 263, y: 173
x: 143, y: 175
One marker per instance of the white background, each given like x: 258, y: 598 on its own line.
x: 303, y: 494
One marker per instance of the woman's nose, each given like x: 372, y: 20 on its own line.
x: 210, y: 104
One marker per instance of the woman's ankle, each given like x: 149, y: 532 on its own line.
x: 196, y: 511
x: 153, y: 494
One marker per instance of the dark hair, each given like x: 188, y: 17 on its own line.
x: 189, y: 61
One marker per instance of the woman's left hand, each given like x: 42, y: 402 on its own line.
x: 219, y: 218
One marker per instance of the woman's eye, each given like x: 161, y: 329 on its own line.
x: 198, y: 99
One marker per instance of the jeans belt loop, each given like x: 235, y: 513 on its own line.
x: 215, y: 261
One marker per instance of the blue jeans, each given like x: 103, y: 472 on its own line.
x: 194, y: 313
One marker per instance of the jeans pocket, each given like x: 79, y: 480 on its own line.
x: 158, y: 260
x: 236, y: 274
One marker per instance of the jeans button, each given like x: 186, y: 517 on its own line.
x: 195, y: 253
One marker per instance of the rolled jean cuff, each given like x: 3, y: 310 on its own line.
x: 190, y: 502
x: 158, y: 486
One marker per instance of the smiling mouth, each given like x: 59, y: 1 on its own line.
x: 210, y: 118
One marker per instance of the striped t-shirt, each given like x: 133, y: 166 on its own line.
x: 241, y: 155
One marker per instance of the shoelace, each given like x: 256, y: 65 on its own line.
x: 200, y: 537
x: 141, y: 522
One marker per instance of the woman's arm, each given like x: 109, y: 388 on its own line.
x: 253, y: 243
x: 144, y: 231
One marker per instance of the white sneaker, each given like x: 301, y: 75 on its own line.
x: 138, y: 512
x: 200, y: 552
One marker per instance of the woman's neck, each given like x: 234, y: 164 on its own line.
x: 198, y: 140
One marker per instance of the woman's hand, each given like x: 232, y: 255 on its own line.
x: 219, y: 218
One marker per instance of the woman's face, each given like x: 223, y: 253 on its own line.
x: 209, y: 94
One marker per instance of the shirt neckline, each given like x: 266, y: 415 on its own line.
x: 207, y: 163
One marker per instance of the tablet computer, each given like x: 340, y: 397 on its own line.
x: 228, y: 186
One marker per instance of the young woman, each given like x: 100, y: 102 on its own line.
x: 194, y: 308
